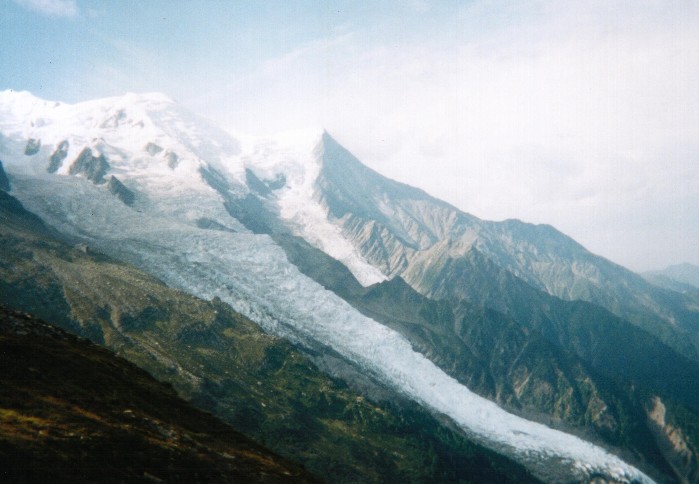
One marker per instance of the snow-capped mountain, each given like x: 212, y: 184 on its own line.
x: 142, y: 180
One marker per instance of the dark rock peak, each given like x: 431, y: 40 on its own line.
x: 93, y: 167
x: 215, y: 180
x: 120, y: 191
x: 57, y: 157
x: 255, y: 184
x: 33, y: 146
x: 153, y: 149
x: 4, y: 181
x: 172, y: 159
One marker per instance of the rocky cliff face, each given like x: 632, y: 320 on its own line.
x: 57, y: 157
x: 403, y: 231
x: 673, y: 443
x: 33, y: 146
x: 92, y: 167
x: 120, y: 191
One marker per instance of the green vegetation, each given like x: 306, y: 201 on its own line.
x: 71, y: 411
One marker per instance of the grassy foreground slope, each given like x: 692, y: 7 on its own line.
x: 74, y: 412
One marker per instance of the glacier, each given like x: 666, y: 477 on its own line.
x: 249, y: 271
x: 293, y: 156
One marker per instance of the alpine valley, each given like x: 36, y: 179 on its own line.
x: 348, y: 323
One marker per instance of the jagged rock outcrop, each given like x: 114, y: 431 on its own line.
x: 93, y: 167
x: 210, y: 224
x: 120, y: 191
x: 57, y: 157
x: 153, y: 149
x: 4, y: 181
x: 172, y: 159
x: 256, y: 185
x: 33, y: 146
x: 673, y: 443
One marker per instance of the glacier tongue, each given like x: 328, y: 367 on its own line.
x: 251, y: 273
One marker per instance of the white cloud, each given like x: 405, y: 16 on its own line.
x: 584, y: 115
x: 51, y: 8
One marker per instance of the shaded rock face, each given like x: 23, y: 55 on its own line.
x: 172, y: 159
x: 672, y: 442
x: 153, y: 149
x: 256, y: 184
x: 93, y: 167
x: 4, y: 181
x: 119, y: 189
x: 33, y: 146
x: 57, y: 157
x: 215, y: 180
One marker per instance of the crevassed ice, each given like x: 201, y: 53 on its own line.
x: 253, y: 275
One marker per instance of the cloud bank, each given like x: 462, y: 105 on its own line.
x: 581, y: 115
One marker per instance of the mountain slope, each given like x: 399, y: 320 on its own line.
x: 403, y: 231
x: 224, y: 363
x: 198, y: 223
x: 610, y: 344
x: 515, y: 365
x: 70, y: 410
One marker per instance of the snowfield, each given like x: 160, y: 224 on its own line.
x: 250, y: 272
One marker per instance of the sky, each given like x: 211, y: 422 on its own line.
x: 580, y: 114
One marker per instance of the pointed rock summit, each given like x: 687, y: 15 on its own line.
x: 93, y: 167
x: 120, y: 191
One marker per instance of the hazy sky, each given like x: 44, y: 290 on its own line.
x: 581, y: 114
